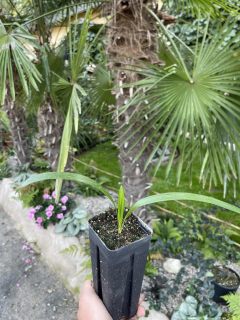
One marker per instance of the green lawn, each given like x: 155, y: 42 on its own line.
x: 106, y: 158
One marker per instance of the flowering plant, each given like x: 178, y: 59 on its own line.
x: 48, y: 211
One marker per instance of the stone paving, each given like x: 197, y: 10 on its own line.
x: 28, y: 288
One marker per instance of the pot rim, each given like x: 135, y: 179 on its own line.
x: 143, y: 224
x: 231, y: 288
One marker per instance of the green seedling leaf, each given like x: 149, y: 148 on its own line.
x: 182, y: 196
x: 120, y: 209
x: 66, y: 176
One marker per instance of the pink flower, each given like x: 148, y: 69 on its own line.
x: 37, y: 208
x: 64, y: 208
x: 33, y: 258
x: 39, y: 220
x: 25, y: 276
x: 39, y: 226
x: 46, y: 196
x: 50, y: 208
x: 54, y: 226
x: 54, y: 194
x: 28, y: 260
x: 60, y: 215
x: 17, y: 284
x: 31, y: 251
x: 49, y: 213
x: 31, y: 216
x: 33, y: 211
x: 64, y: 199
x: 50, y: 198
x: 27, y: 248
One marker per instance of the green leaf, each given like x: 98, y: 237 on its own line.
x: 193, y: 105
x: 182, y: 196
x: 68, y: 220
x: 66, y: 176
x: 60, y: 228
x: 204, y: 7
x: 120, y: 210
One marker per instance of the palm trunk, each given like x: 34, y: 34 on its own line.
x: 18, y: 129
x: 50, y: 124
x: 132, y: 35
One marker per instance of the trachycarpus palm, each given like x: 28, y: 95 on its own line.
x: 188, y: 103
x: 14, y: 68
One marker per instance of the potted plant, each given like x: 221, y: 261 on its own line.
x: 119, y: 243
x: 225, y: 281
x: 118, y: 266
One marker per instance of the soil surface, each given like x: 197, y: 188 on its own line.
x: 225, y: 277
x: 28, y: 288
x: 106, y: 226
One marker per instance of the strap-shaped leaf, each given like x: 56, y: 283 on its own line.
x: 66, y: 176
x: 182, y: 196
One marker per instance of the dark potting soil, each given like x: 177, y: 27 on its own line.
x: 225, y: 277
x: 106, y: 227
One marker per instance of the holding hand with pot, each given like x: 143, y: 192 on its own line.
x: 91, y: 306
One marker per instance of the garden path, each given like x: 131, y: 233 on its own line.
x: 28, y: 288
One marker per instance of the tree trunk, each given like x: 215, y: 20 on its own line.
x: 131, y: 34
x: 50, y: 124
x: 18, y: 129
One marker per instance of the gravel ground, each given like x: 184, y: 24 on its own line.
x: 174, y: 301
x: 29, y: 290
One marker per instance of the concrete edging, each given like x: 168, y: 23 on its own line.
x: 45, y: 241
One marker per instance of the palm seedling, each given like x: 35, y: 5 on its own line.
x: 122, y: 215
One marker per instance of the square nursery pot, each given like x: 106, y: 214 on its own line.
x: 118, y: 274
x: 223, y: 291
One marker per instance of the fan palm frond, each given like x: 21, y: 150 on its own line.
x: 14, y: 44
x: 194, y: 7
x: 194, y: 105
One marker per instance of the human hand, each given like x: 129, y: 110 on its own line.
x: 91, y: 306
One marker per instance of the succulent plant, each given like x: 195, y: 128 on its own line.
x: 73, y: 222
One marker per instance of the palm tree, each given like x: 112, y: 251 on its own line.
x: 159, y: 102
x: 15, y: 66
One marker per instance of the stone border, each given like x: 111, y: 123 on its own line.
x: 45, y: 241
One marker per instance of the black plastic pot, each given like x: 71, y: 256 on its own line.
x: 222, y: 291
x: 118, y: 274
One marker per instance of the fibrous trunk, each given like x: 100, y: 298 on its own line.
x: 50, y: 124
x: 131, y: 34
x: 18, y: 128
